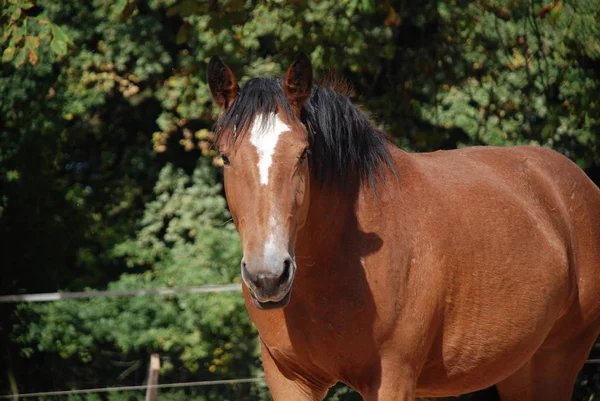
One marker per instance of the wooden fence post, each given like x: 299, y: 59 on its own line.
x: 151, y: 391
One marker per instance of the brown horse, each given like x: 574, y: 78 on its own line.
x: 403, y: 275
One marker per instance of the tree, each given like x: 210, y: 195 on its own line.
x: 184, y: 239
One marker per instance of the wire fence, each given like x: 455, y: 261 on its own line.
x: 143, y: 387
x: 58, y: 296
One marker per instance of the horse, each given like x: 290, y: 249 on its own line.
x: 402, y: 274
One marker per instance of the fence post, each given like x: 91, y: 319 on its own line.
x: 151, y: 390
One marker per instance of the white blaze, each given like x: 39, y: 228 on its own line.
x: 264, y: 135
x: 272, y: 248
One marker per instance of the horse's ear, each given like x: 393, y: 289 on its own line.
x: 222, y: 83
x: 297, y: 84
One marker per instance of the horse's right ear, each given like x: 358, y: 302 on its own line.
x: 222, y: 83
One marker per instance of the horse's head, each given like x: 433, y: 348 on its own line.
x: 264, y: 147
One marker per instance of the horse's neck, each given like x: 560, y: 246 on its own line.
x: 331, y: 219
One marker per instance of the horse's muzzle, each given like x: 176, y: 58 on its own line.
x: 270, y: 289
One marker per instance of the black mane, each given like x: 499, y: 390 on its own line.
x: 344, y: 143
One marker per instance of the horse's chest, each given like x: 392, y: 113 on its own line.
x: 335, y: 344
x: 306, y: 333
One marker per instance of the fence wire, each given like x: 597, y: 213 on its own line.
x: 132, y: 388
x: 58, y: 296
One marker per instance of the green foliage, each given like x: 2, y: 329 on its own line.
x: 26, y: 38
x: 184, y: 239
x: 518, y: 78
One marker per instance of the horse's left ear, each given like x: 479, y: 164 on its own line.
x: 222, y: 83
x: 297, y: 84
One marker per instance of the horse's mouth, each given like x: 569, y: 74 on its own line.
x: 272, y: 304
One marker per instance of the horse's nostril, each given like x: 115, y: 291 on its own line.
x: 245, y: 274
x: 287, y: 268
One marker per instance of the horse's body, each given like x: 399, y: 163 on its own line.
x: 466, y: 269
x: 480, y: 262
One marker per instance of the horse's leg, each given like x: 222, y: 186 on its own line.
x: 391, y: 392
x: 284, y: 389
x: 517, y: 386
x: 545, y: 377
x: 392, y: 384
x: 550, y: 374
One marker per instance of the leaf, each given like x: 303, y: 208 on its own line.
x: 16, y: 15
x: 544, y: 10
x: 8, y: 54
x: 60, y: 48
x: 32, y: 42
x: 393, y: 19
x: 59, y: 42
x: 26, y: 4
x: 123, y: 9
x: 351, y: 7
x: 6, y: 34
x: 60, y: 35
x: 184, y: 33
x: 12, y: 175
x: 128, y: 10
x: 21, y: 58
x: 185, y: 8
x: 366, y: 6
x: 119, y: 6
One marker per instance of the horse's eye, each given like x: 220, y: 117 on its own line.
x: 304, y: 155
x: 225, y: 159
